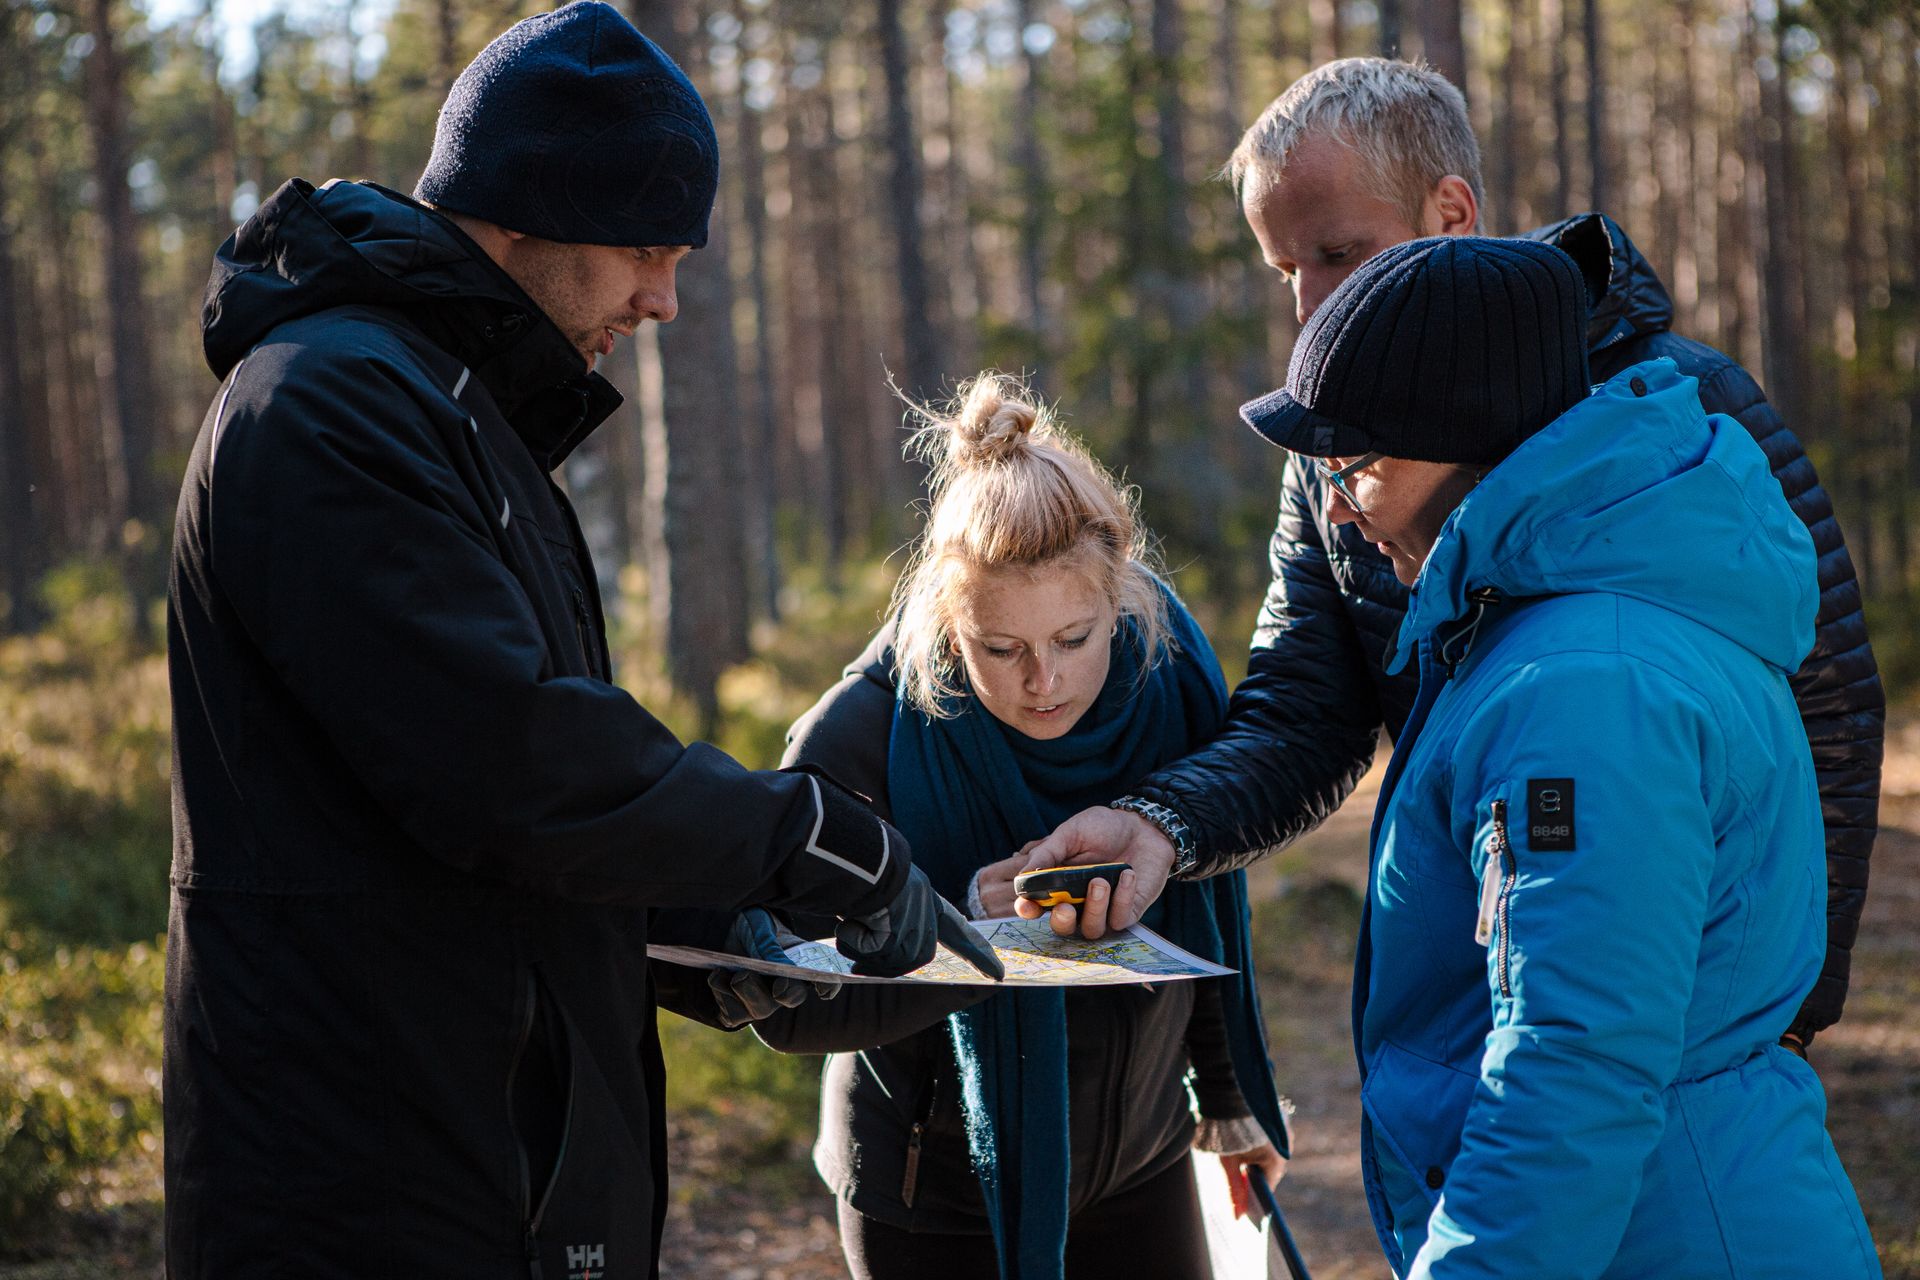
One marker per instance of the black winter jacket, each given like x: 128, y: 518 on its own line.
x: 1300, y: 728
x: 892, y: 1139
x: 419, y: 837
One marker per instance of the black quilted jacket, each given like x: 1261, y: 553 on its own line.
x: 1300, y: 730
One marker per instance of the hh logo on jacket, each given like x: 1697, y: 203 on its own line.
x: 586, y: 1261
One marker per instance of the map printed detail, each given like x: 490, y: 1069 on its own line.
x: 1033, y: 954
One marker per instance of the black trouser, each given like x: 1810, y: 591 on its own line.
x: 1153, y: 1232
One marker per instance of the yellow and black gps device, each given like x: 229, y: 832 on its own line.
x: 1051, y: 886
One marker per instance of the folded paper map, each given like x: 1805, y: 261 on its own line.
x: 1034, y: 956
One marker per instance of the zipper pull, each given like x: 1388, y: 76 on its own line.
x: 583, y: 629
x: 910, y: 1180
x: 1491, y: 875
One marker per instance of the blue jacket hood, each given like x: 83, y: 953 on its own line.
x: 1635, y: 491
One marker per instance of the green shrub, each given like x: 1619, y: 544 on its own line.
x: 79, y: 1078
x: 84, y: 765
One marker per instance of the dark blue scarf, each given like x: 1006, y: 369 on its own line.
x: 967, y: 791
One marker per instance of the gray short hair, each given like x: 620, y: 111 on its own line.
x: 1406, y: 121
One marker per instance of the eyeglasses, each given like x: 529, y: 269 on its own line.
x: 1338, y: 479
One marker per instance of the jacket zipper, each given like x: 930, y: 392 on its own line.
x: 584, y: 565
x: 536, y: 1213
x: 519, y: 1148
x: 910, y: 1177
x: 910, y: 1180
x: 582, y: 625
x: 1499, y: 845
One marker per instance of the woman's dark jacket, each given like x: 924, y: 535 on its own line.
x: 419, y: 838
x: 1300, y: 728
x: 892, y: 1140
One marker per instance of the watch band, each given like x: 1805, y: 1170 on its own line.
x: 1171, y: 825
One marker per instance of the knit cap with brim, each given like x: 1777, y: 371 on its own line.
x: 572, y: 126
x: 1448, y: 349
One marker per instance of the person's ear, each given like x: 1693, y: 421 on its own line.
x: 1451, y: 209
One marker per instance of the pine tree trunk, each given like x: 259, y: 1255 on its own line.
x: 123, y: 359
x: 959, y: 278
x: 1786, y: 322
x: 22, y: 541
x: 1440, y: 40
x: 1850, y: 337
x: 1511, y: 211
x: 762, y: 454
x: 446, y: 46
x: 1600, y: 193
x: 1030, y: 161
x: 1905, y: 462
x: 1389, y: 28
x: 1553, y: 30
x: 922, y: 372
x: 1184, y: 302
x: 697, y: 563
x: 74, y: 510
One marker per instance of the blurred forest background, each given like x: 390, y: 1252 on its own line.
x: 912, y: 190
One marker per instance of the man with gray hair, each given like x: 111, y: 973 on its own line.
x: 1356, y: 156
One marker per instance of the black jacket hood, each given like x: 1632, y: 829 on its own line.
x: 308, y: 249
x: 1627, y: 296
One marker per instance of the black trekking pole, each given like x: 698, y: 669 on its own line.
x: 1289, y: 1251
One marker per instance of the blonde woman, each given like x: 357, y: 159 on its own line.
x: 1033, y: 665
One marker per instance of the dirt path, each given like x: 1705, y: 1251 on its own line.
x: 1870, y: 1063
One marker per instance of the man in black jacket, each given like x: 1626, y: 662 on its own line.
x: 420, y: 838
x: 1356, y: 156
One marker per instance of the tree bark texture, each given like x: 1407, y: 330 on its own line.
x: 1599, y: 186
x: 1440, y: 39
x: 122, y: 360
x: 22, y: 525
x: 698, y: 570
x: 904, y: 200
x: 763, y: 448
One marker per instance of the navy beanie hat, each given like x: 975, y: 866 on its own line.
x: 572, y: 126
x: 1448, y: 349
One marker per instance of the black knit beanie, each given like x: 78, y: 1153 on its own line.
x: 572, y: 126
x: 1449, y: 349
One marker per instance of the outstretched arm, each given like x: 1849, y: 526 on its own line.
x: 1299, y: 734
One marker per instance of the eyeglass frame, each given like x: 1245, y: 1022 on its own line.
x: 1338, y: 479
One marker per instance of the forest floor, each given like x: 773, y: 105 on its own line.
x: 1305, y: 913
x: 750, y: 1209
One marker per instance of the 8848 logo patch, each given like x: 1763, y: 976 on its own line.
x: 1550, y: 815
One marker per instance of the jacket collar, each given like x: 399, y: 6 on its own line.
x: 1627, y: 296
x: 308, y: 249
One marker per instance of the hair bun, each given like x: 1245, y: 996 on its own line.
x: 990, y: 425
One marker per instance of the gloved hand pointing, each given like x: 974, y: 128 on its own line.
x: 903, y: 936
x: 743, y: 996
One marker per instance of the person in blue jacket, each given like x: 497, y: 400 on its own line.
x: 1595, y: 895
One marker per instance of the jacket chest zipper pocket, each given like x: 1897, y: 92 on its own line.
x: 910, y: 1172
x: 582, y: 630
x: 910, y: 1179
x: 1499, y: 846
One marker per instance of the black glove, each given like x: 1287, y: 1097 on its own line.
x: 904, y: 935
x: 744, y: 996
